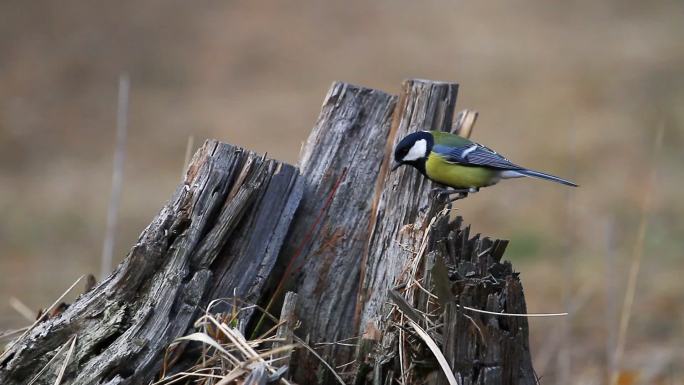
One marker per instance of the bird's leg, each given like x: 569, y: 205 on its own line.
x: 441, y: 192
x: 448, y: 192
x: 462, y: 192
x: 451, y: 191
x: 461, y: 195
x: 442, y: 195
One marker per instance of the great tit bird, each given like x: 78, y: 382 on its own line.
x: 459, y: 163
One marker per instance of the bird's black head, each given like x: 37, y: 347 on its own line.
x: 413, y: 150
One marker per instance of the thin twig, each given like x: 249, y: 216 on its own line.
x: 402, y: 373
x: 42, y: 317
x: 437, y: 353
x: 9, y: 333
x: 637, y: 254
x: 340, y: 367
x: 477, y: 327
x: 243, y: 345
x: 117, y: 176
x: 327, y: 365
x: 67, y: 359
x: 22, y: 309
x: 415, y: 282
x: 188, y: 154
x: 340, y: 342
x: 40, y: 373
x: 514, y: 314
x: 181, y: 375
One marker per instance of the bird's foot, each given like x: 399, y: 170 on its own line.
x: 440, y: 193
x: 460, y: 195
x: 448, y: 192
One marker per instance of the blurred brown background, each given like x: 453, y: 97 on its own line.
x: 574, y: 88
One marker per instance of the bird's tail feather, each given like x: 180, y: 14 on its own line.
x: 541, y: 175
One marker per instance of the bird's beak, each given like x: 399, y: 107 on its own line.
x: 395, y: 166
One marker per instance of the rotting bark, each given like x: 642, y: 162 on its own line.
x: 342, y: 232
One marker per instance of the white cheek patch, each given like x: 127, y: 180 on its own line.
x: 417, y: 151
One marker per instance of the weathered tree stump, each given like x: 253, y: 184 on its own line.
x: 370, y: 255
x: 218, y: 235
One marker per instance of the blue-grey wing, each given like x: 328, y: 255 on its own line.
x: 475, y: 155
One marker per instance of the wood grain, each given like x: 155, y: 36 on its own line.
x: 124, y: 324
x: 340, y: 165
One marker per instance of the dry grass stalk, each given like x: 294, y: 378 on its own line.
x: 67, y: 359
x: 637, y: 254
x: 227, y: 357
x: 117, y: 176
x: 10, y: 333
x: 318, y: 356
x: 188, y: 154
x: 62, y: 370
x: 436, y: 351
x: 42, y: 316
x: 22, y: 309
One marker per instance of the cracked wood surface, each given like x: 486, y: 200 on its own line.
x: 125, y: 323
x: 481, y: 348
x: 403, y: 201
x: 340, y: 165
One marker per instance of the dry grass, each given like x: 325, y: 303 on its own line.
x: 227, y: 356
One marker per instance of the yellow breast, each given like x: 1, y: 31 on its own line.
x: 458, y: 176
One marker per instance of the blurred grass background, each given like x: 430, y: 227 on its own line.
x: 574, y: 88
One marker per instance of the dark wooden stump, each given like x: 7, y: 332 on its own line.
x: 370, y: 254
